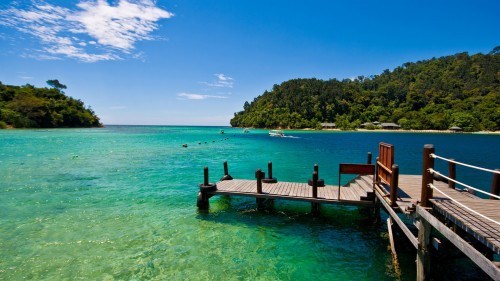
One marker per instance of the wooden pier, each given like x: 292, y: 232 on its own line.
x: 430, y: 200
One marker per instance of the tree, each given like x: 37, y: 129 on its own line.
x: 55, y: 84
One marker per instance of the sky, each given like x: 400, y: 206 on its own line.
x: 194, y: 62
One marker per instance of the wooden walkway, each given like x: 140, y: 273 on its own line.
x: 328, y: 194
x: 484, y: 230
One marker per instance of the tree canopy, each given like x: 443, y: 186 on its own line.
x: 458, y: 90
x: 30, y: 107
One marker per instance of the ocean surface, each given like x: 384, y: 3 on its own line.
x: 119, y: 203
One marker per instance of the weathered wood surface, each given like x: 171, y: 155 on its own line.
x: 294, y: 191
x: 485, y: 231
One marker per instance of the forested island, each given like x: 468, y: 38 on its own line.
x: 30, y: 107
x: 459, y: 90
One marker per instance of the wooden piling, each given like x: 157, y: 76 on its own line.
x: 495, y: 185
x: 226, y: 173
x: 394, y: 185
x: 423, y: 255
x: 315, y: 184
x: 269, y: 178
x: 205, y: 187
x: 427, y: 177
x: 259, y: 200
x: 315, y: 205
x: 258, y: 176
x: 369, y: 160
x: 452, y: 174
x: 205, y: 176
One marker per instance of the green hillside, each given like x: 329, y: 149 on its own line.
x: 458, y: 90
x: 30, y: 107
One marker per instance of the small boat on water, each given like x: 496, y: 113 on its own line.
x: 276, y: 133
x: 221, y: 131
x: 246, y: 130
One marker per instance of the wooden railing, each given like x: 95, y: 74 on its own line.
x: 356, y: 169
x: 429, y: 175
x: 386, y: 171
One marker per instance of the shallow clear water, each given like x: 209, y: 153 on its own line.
x: 120, y: 203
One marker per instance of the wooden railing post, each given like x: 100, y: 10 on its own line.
x: 495, y: 185
x: 427, y: 178
x: 258, y: 176
x: 269, y: 178
x: 226, y: 173
x: 315, y: 205
x: 452, y: 174
x: 376, y: 170
x: 315, y: 184
x: 226, y: 170
x: 205, y: 176
x: 394, y: 184
x: 369, y: 160
x: 205, y: 188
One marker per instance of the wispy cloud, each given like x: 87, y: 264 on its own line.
x: 221, y: 81
x: 92, y: 31
x: 186, y: 96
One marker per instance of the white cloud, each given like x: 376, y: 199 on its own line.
x: 186, y: 96
x: 222, y: 81
x: 63, y: 32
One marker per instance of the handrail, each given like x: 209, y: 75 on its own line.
x: 432, y: 171
x: 481, y: 215
x: 463, y: 164
x: 360, y: 169
x: 384, y: 167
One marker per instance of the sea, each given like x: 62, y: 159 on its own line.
x: 119, y: 203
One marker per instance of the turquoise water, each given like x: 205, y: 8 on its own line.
x: 119, y: 203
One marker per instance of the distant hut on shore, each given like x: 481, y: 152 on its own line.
x: 328, y: 125
x: 456, y: 129
x: 390, y: 126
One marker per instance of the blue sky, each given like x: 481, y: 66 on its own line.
x: 194, y: 62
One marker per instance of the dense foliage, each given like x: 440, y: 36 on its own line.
x: 30, y: 107
x: 458, y: 90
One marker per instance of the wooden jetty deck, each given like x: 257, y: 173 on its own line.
x: 430, y: 201
x: 485, y: 231
x: 327, y: 194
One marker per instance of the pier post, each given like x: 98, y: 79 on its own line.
x: 315, y: 184
x: 320, y: 182
x: 427, y: 177
x: 376, y: 180
x: 369, y: 160
x: 315, y: 205
x: 452, y: 173
x: 260, y: 201
x: 394, y: 184
x: 269, y: 178
x: 495, y: 185
x: 205, y: 187
x: 226, y: 176
x: 423, y: 255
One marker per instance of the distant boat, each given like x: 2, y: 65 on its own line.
x: 221, y: 131
x: 276, y: 133
x: 246, y: 130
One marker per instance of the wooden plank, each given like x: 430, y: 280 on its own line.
x: 485, y: 264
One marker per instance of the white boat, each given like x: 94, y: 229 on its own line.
x: 276, y: 133
x: 221, y: 131
x: 246, y: 130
